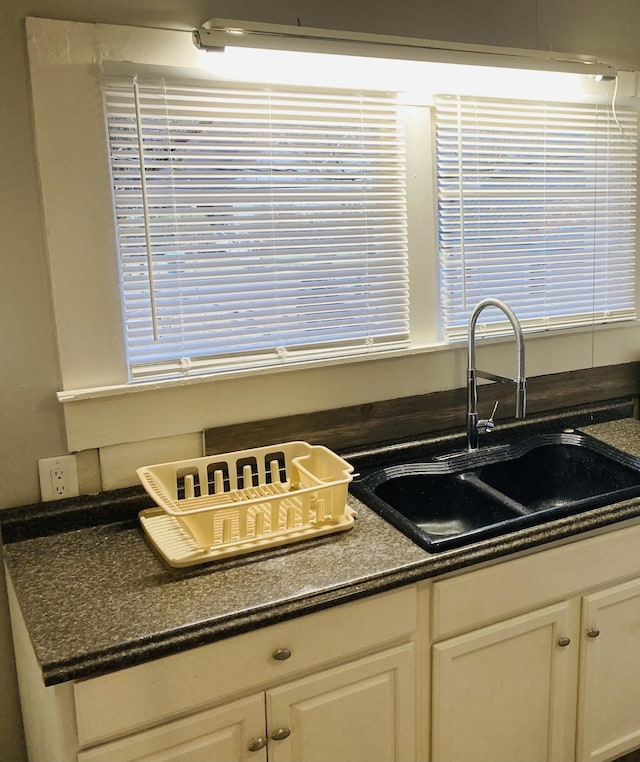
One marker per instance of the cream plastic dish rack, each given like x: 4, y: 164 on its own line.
x: 238, y: 502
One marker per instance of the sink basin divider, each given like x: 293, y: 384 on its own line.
x: 472, y: 478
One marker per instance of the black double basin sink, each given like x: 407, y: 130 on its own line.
x: 455, y: 499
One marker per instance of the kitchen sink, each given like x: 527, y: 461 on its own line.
x: 461, y: 497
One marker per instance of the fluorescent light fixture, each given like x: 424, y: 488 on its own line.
x: 217, y: 34
x: 415, y: 82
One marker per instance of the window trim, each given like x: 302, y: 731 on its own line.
x: 100, y: 407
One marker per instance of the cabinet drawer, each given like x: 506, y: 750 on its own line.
x: 496, y: 592
x: 137, y: 697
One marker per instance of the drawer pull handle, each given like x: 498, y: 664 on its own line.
x: 280, y: 734
x: 564, y: 641
x: 593, y: 632
x: 258, y: 743
x: 281, y: 654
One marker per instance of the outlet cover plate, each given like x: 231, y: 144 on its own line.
x: 58, y: 477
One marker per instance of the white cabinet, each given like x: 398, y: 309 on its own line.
x: 362, y: 711
x: 506, y: 693
x: 550, y: 683
x: 609, y: 699
x: 338, y: 685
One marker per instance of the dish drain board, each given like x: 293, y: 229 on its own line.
x: 236, y: 503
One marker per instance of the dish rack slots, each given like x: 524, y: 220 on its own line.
x: 243, y: 501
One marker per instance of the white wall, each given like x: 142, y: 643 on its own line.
x: 31, y: 421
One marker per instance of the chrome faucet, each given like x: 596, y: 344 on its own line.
x: 475, y: 426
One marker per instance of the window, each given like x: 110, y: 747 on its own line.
x: 256, y: 226
x: 537, y: 206
x: 259, y: 226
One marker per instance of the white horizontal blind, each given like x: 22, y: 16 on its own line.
x: 256, y: 226
x: 537, y: 207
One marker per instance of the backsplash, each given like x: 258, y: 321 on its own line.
x: 357, y: 425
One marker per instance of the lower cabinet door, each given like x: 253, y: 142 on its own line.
x: 609, y: 701
x: 363, y: 711
x: 506, y: 692
x: 229, y: 733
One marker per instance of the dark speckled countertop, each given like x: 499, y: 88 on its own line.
x: 95, y: 597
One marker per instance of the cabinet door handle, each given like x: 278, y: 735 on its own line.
x: 281, y: 654
x: 593, y: 632
x: 258, y: 743
x: 564, y: 641
x: 280, y: 734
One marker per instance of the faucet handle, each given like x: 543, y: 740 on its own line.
x: 487, y: 424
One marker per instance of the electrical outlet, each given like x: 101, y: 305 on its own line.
x: 58, y: 477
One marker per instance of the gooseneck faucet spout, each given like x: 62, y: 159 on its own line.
x: 474, y: 426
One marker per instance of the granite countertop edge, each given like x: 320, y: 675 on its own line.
x: 26, y: 531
